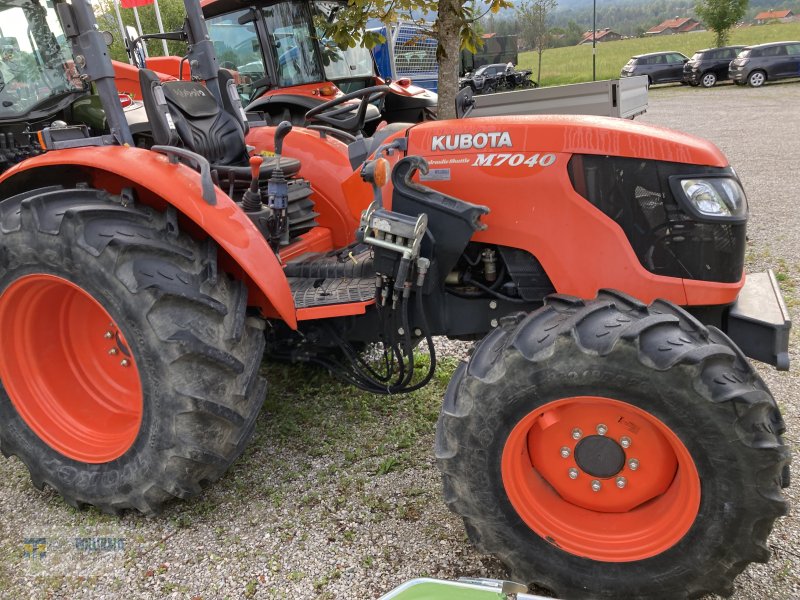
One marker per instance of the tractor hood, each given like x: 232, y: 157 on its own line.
x: 561, y: 134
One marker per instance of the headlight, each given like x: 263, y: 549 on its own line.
x: 715, y: 197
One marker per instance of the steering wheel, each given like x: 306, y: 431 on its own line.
x: 327, y: 111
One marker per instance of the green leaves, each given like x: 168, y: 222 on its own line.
x: 720, y: 16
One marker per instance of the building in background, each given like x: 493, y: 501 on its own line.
x: 676, y: 25
x: 601, y: 35
x: 782, y: 16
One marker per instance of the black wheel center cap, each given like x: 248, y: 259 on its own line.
x: 599, y: 456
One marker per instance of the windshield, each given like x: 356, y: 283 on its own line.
x: 35, y: 64
x: 238, y: 51
x: 743, y: 54
x: 340, y: 64
x: 480, y: 71
x: 289, y: 28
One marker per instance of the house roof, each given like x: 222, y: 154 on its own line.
x: 773, y: 14
x: 599, y: 34
x: 678, y: 23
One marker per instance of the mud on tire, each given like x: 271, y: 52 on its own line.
x: 184, y: 323
x: 660, y: 360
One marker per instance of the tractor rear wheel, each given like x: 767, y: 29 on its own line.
x: 609, y: 449
x: 129, y: 367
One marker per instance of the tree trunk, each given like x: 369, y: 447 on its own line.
x: 449, y: 54
x: 539, y: 72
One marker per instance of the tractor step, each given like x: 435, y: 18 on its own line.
x: 308, y: 292
x: 338, y: 277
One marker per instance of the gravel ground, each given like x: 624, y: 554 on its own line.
x: 349, y: 506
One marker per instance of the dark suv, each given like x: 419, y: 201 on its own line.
x: 485, y: 79
x: 660, y: 67
x: 757, y: 64
x: 708, y: 66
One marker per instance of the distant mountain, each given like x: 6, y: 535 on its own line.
x: 628, y: 17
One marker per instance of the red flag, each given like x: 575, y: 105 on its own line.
x: 134, y: 3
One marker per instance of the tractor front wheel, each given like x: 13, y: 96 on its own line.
x: 609, y: 449
x: 129, y: 368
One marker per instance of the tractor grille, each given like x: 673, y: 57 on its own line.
x: 667, y: 240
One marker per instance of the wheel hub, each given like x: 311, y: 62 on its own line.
x: 599, y: 456
x: 68, y: 369
x: 627, y: 491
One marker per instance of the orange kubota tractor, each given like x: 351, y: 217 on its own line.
x: 607, y: 438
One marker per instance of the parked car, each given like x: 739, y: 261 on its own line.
x: 708, y: 66
x: 485, y: 79
x: 755, y: 65
x: 660, y: 67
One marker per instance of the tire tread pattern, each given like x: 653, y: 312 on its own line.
x: 199, y: 336
x: 663, y: 338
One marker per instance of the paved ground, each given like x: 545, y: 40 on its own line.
x: 349, y: 505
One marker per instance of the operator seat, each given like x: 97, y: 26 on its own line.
x: 185, y: 113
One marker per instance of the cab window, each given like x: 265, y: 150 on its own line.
x: 289, y: 28
x: 238, y: 50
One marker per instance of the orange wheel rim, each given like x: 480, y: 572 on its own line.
x: 559, y: 469
x: 68, y: 369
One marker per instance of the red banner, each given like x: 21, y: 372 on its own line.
x: 134, y: 3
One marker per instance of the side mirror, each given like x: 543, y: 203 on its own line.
x: 131, y: 33
x: 134, y: 49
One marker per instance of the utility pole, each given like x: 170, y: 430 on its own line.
x: 594, y: 40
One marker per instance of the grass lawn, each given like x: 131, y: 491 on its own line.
x: 573, y: 64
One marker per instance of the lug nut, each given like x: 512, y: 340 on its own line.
x: 625, y: 441
x: 596, y: 485
x: 577, y: 434
x: 113, y: 351
x: 108, y: 335
x: 573, y: 473
x: 565, y: 452
x: 124, y: 362
x: 601, y: 429
x: 633, y: 464
x: 621, y: 481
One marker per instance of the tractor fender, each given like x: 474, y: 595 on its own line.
x: 158, y: 183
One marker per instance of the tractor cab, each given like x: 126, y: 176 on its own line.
x: 36, y: 73
x: 39, y: 82
x: 41, y: 87
x: 284, y: 64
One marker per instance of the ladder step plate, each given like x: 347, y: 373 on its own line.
x: 308, y: 292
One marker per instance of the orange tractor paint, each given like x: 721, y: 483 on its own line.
x: 606, y: 438
x: 643, y: 511
x: 161, y: 183
x: 81, y: 395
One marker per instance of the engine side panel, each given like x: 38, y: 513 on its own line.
x: 517, y: 166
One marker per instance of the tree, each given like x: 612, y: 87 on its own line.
x: 172, y: 15
x: 533, y: 16
x: 720, y: 15
x: 453, y: 30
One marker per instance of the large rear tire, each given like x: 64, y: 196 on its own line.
x: 130, y: 370
x: 607, y: 449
